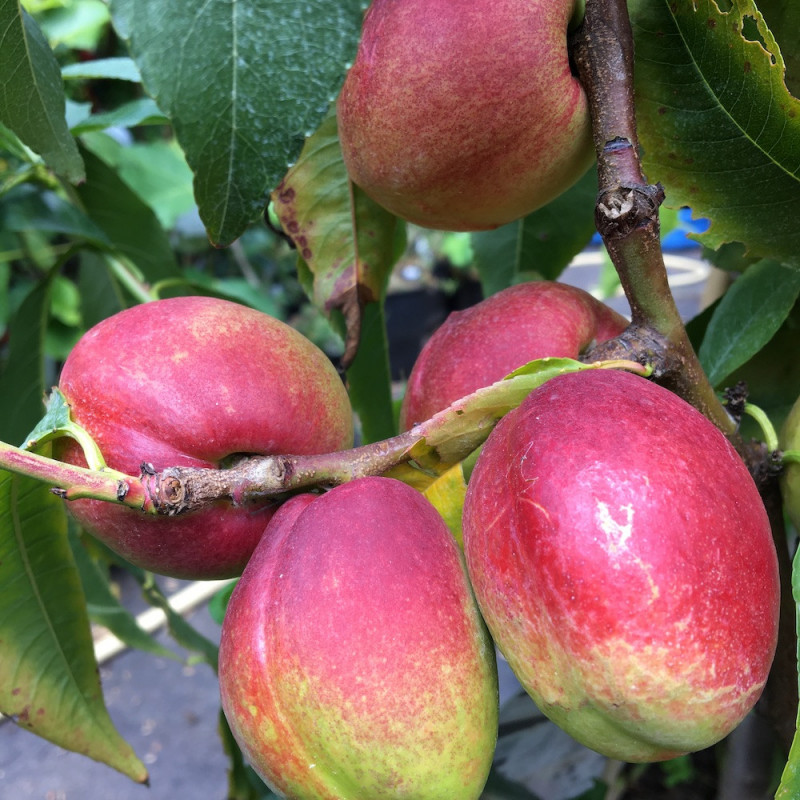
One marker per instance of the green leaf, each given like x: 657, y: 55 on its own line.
x: 181, y: 630
x: 500, y: 788
x: 103, y: 606
x: 243, y: 782
x: 454, y: 433
x: 101, y: 295
x: 542, y: 243
x: 143, y: 111
x: 783, y: 18
x: 156, y: 171
x: 10, y: 142
x: 23, y: 378
x: 123, y: 69
x: 369, y: 378
x: 747, y: 317
x: 348, y: 242
x: 447, y: 494
x: 49, y: 682
x: 78, y: 24
x: 47, y: 212
x: 31, y: 92
x: 55, y: 419
x: 772, y: 378
x: 129, y: 223
x: 790, y: 780
x: 718, y: 126
x: 218, y: 604
x: 244, y: 83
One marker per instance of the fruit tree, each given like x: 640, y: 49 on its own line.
x: 206, y: 213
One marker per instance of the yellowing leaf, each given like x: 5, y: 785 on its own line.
x: 447, y: 494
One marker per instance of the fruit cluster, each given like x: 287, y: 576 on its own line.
x: 608, y: 530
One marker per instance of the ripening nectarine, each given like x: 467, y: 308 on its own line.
x: 464, y: 116
x: 353, y: 661
x: 623, y: 560
x: 484, y: 343
x: 197, y: 382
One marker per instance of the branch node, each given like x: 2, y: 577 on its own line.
x: 622, y: 209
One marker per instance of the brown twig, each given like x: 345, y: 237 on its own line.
x: 627, y: 213
x: 627, y: 219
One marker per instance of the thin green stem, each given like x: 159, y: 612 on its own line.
x: 790, y: 456
x: 72, y: 482
x: 767, y: 428
x: 130, y: 278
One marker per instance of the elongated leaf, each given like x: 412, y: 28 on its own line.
x: 747, y: 317
x: 31, y: 92
x: 48, y: 674
x: 452, y: 435
x: 138, y: 112
x: 156, y: 171
x: 347, y: 242
x: 105, y: 609
x: 244, y: 82
x: 123, y: 69
x: 790, y: 780
x: 541, y: 244
x: 218, y: 604
x: 22, y: 382
x: 719, y: 128
x: 48, y: 212
x: 129, y: 223
x: 446, y: 494
x: 101, y: 295
x: 11, y: 143
x: 369, y: 378
x: 243, y: 782
x: 783, y: 18
x: 181, y: 630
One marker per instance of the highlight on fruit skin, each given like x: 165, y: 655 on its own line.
x: 196, y: 382
x: 482, y: 344
x: 353, y: 660
x: 464, y: 115
x: 623, y: 561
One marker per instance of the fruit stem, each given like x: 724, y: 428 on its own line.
x: 125, y: 272
x: 764, y: 422
x: 626, y: 214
